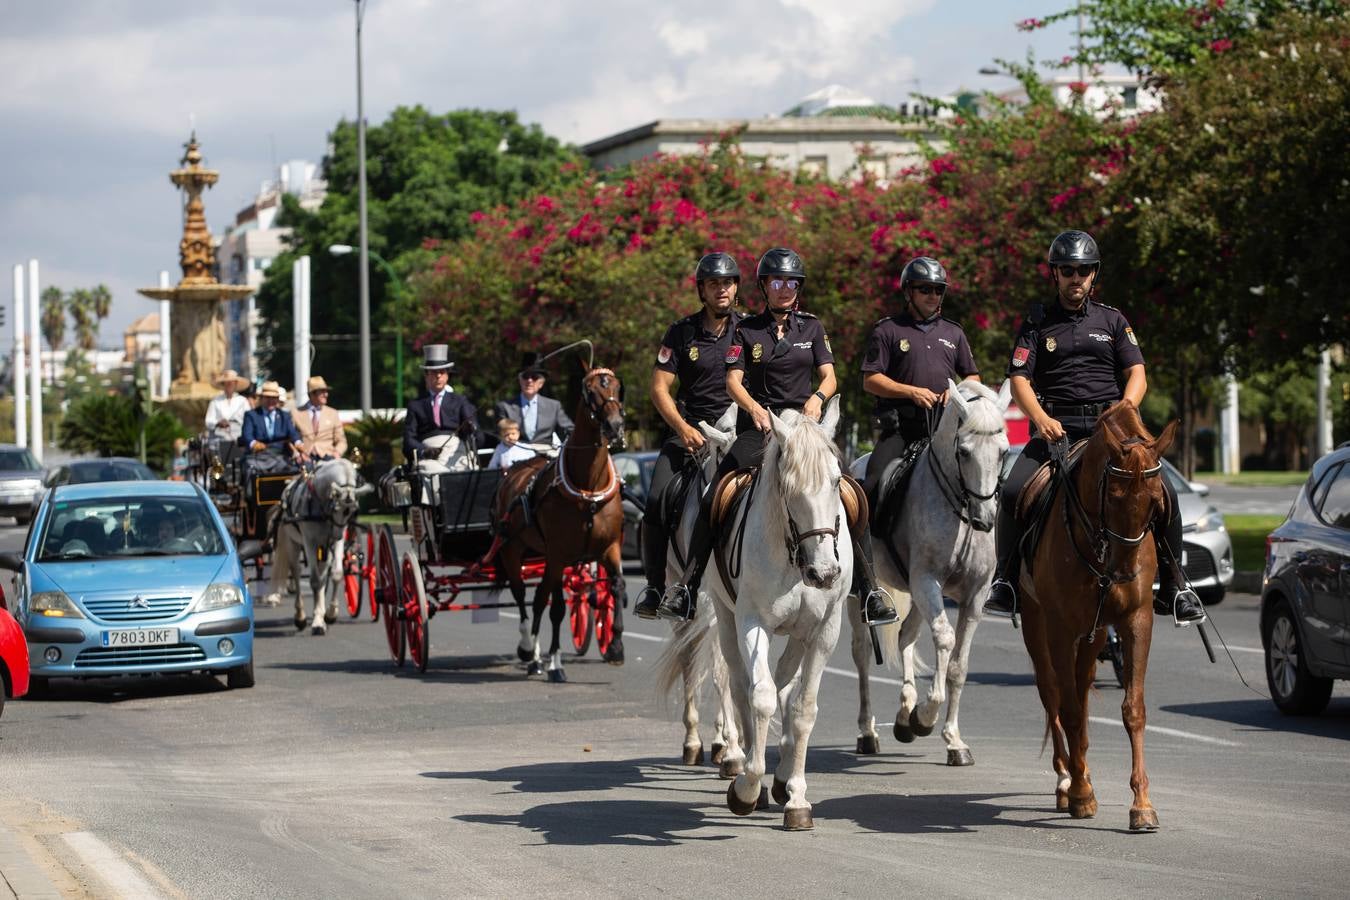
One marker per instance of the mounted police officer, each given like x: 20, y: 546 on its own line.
x: 770, y: 365
x: 1072, y: 361
x: 910, y: 356
x: 693, y: 351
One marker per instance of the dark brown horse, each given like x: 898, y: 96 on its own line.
x: 1094, y: 567
x: 568, y: 510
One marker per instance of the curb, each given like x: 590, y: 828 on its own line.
x: 20, y: 876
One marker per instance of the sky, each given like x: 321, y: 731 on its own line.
x: 100, y: 95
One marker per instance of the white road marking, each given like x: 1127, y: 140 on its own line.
x: 627, y: 634
x: 1247, y: 650
x: 1171, y: 732
x: 109, y: 866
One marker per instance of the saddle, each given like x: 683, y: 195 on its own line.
x: 894, y: 484
x: 1033, y: 501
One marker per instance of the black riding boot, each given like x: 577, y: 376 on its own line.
x: 653, y: 546
x: 678, y: 602
x: 1174, y: 597
x: 877, y: 608
x: 1002, y: 595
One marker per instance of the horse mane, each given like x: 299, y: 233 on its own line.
x: 1122, y: 421
x: 804, y: 459
x: 984, y: 417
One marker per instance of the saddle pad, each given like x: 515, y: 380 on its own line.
x: 671, y: 502
x: 727, y: 491
x: 1027, y: 500
x: 895, y: 483
x: 855, y: 502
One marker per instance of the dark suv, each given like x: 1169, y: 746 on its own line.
x: 1305, y: 595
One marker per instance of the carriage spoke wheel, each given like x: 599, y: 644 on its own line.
x: 368, y: 574
x: 415, y: 611
x: 603, y: 602
x: 580, y: 618
x: 388, y: 591
x: 353, y: 564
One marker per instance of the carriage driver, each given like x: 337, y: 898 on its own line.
x: 770, y: 364
x: 693, y: 351
x: 319, y: 424
x: 442, y: 414
x: 1072, y: 361
x: 909, y: 358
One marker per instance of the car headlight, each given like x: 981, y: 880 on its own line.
x: 220, y: 595
x: 1212, y: 520
x: 55, y: 604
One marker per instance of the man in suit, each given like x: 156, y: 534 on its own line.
x: 541, y: 419
x: 432, y: 421
x: 319, y: 424
x: 269, y: 427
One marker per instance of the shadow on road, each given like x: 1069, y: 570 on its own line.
x: 1258, y: 714
x: 636, y: 823
x: 1002, y: 679
x: 128, y: 687
x: 587, y: 775
x: 943, y: 813
x: 481, y: 669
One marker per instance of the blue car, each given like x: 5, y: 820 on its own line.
x: 132, y: 578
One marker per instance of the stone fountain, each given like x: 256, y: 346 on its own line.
x: 197, y: 343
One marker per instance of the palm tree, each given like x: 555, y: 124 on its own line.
x: 102, y: 301
x: 83, y: 312
x: 53, y: 322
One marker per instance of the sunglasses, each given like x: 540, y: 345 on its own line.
x: 791, y: 284
x: 1082, y: 271
x: 929, y: 290
x: 531, y: 377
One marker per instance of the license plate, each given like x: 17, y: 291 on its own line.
x: 140, y: 637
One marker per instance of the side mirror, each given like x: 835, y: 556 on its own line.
x: 11, y: 561
x: 250, y: 550
x: 1200, y: 488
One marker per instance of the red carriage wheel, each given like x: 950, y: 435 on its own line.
x: 604, y: 615
x: 580, y: 619
x: 416, y: 611
x: 353, y: 564
x: 388, y: 590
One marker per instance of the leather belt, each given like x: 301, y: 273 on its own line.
x: 1084, y: 410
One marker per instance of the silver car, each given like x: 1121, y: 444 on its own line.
x: 20, y: 482
x: 1207, y: 551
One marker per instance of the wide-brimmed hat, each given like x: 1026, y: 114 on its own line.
x: 316, y: 383
x: 532, y: 364
x: 231, y: 376
x: 270, y: 389
x: 436, y: 357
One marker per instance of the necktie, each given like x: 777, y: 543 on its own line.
x: 436, y: 410
x: 269, y: 419
x: 530, y: 417
x: 314, y: 418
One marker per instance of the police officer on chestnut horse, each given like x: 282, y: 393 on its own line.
x: 910, y: 356
x: 1072, y: 361
x: 692, y: 351
x: 770, y: 366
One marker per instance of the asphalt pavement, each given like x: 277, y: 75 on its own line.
x: 340, y: 775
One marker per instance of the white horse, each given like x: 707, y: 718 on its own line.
x: 682, y: 660
x: 311, y: 518
x: 789, y: 572
x: 944, y: 537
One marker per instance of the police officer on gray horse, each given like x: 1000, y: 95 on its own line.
x: 692, y: 352
x: 771, y: 364
x: 1072, y: 361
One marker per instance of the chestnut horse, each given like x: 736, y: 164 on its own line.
x: 1094, y: 567
x: 569, y: 511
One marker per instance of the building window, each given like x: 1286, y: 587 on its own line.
x: 1131, y: 97
x: 875, y: 166
x: 816, y: 166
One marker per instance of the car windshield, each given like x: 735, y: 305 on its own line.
x: 18, y: 461
x: 86, y: 473
x: 119, y: 527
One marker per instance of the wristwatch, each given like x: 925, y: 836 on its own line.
x: 822, y: 397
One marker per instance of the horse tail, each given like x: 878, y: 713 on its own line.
x: 693, y: 641
x: 889, y: 636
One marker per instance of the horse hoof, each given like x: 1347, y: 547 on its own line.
x: 919, y: 728
x: 763, y: 801
x: 330, y: 616
x: 693, y: 756
x: 730, y: 768
x: 318, y: 629
x: 1083, y: 809
x: 525, y: 655
x: 1061, y: 801
x: 798, y: 819
x: 1143, y: 820
x: 736, y: 805
x: 719, y: 752
x: 961, y: 757
x: 556, y: 676
x: 301, y: 623
x: 902, y: 733
x: 534, y: 668
x: 779, y: 794
x: 614, y: 653
x: 868, y: 745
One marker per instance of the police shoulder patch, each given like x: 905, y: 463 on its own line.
x: 1129, y: 333
x: 733, y: 353
x: 1020, y: 356
x: 664, y: 355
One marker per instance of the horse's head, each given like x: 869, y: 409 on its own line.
x: 806, y: 471
x: 1130, y: 492
x: 336, y: 484
x: 602, y: 393
x: 720, y: 436
x: 972, y: 445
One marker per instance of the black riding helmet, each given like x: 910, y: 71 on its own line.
x: 780, y: 262
x: 925, y: 269
x: 1071, y: 247
x: 715, y: 265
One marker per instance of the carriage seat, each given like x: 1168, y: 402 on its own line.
x: 1031, y: 500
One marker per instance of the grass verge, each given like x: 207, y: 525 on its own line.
x: 1254, y: 478
x: 1248, y: 532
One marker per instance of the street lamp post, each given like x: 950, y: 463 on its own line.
x: 363, y: 308
x: 397, y: 284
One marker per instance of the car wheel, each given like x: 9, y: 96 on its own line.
x: 38, y: 687
x: 241, y: 677
x: 1293, y: 687
x: 1211, y: 596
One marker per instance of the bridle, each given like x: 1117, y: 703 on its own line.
x: 960, y: 496
x: 597, y: 403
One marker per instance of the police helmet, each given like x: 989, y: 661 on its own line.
x: 924, y: 269
x: 717, y: 265
x: 1073, y: 247
x: 782, y: 262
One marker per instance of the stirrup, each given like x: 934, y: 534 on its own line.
x: 648, y: 603
x: 997, y: 602
x: 887, y: 617
x: 1194, y: 598
x: 677, y: 604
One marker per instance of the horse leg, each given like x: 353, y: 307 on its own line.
x: 799, y: 718
x: 736, y: 689
x: 281, y: 557
x: 527, y: 650
x: 786, y: 676
x: 861, y: 645
x: 958, y: 753
x: 1135, y: 637
x: 333, y: 578
x: 318, y: 578
x: 541, y: 595
x: 1068, y: 663
x: 1047, y: 686
x: 743, y: 793
x: 692, y: 753
x: 613, y: 566
x: 557, y: 611
x: 728, y: 721
x: 927, y: 594
x: 903, y: 729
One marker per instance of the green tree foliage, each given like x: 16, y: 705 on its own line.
x: 426, y: 174
x: 52, y: 321
x: 110, y: 425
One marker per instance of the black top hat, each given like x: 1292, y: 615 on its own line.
x: 437, y: 356
x: 532, y: 364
